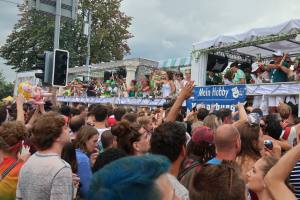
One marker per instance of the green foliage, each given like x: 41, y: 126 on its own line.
x: 34, y: 33
x: 6, y: 89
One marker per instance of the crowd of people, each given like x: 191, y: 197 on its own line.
x: 281, y: 69
x: 168, y: 83
x: 110, y: 152
x: 159, y: 84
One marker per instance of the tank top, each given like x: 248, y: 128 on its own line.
x: 166, y: 90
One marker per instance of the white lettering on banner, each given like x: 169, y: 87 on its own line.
x: 217, y: 106
x: 194, y: 104
x: 219, y: 92
x: 204, y: 92
x: 216, y: 91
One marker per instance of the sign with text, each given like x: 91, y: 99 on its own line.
x: 222, y: 96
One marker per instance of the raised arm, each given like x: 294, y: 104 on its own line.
x: 243, y: 117
x: 184, y: 94
x: 275, y: 178
x: 20, y: 111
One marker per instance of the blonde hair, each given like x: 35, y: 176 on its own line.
x: 144, y: 120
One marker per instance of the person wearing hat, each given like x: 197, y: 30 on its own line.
x: 279, y: 67
x: 239, y: 75
x: 200, y: 149
x: 258, y: 75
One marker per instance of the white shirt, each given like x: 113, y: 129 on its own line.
x: 180, y: 190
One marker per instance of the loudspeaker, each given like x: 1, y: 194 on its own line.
x: 216, y: 63
x: 107, y: 75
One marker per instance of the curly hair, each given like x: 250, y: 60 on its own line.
x: 168, y: 140
x: 13, y: 132
x: 126, y: 135
x: 46, y: 130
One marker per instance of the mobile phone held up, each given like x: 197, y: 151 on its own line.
x: 268, y: 144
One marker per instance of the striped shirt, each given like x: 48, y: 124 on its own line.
x: 294, y: 179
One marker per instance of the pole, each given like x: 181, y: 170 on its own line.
x: 87, y: 63
x: 57, y: 24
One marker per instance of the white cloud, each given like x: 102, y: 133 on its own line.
x: 168, y: 44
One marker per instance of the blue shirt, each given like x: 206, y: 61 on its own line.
x: 214, y: 161
x: 84, y: 172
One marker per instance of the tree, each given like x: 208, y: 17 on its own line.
x: 6, y: 89
x: 34, y: 33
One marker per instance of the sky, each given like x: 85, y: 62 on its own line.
x: 165, y: 29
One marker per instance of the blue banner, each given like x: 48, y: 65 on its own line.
x: 226, y: 96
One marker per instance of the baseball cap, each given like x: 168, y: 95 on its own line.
x: 277, y: 53
x: 203, y: 134
x: 254, y: 66
x: 111, y: 121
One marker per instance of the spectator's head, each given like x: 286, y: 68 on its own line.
x: 119, y: 112
x: 258, y: 111
x: 146, y: 123
x: 170, y: 75
x: 227, y: 140
x: 201, y: 145
x: 226, y: 116
x: 234, y: 67
x: 273, y: 127
x: 212, y: 121
x: 226, y: 177
x: 133, y: 178
x: 65, y: 110
x: 107, y: 157
x: 164, y: 75
x: 68, y: 154
x: 251, y: 138
x: 294, y: 109
x: 76, y: 123
x: 229, y: 75
x: 130, y: 117
x: 74, y: 112
x: 187, y: 74
x: 13, y: 133
x: 133, y: 139
x: 255, y: 176
x: 179, y: 76
x: 87, y: 139
x: 169, y: 139
x: 107, y: 139
x: 277, y: 56
x: 100, y: 113
x: 202, y: 113
x: 284, y: 110
x: 49, y: 131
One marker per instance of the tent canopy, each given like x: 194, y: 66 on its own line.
x: 257, y: 41
x: 175, y: 62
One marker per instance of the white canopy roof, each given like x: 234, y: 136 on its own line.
x: 262, y: 41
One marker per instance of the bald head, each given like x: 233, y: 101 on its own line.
x: 226, y: 137
x: 76, y: 123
